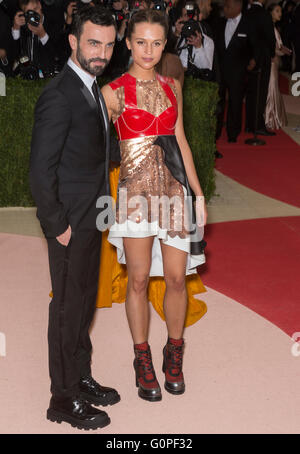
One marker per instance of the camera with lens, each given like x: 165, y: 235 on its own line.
x: 160, y: 5
x: 32, y: 18
x: 199, y: 73
x: 26, y: 69
x: 190, y: 28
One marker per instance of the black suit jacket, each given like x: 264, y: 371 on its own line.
x: 242, y: 47
x: 263, y: 30
x: 70, y: 152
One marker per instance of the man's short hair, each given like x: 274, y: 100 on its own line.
x: 98, y: 15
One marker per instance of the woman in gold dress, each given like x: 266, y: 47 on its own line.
x: 156, y: 161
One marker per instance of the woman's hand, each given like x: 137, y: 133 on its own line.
x: 201, y: 211
x: 286, y: 50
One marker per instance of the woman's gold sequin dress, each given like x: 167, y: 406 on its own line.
x: 146, y: 109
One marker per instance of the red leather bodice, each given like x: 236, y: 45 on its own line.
x: 135, y: 122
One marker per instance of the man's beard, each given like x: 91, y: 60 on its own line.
x: 86, y: 64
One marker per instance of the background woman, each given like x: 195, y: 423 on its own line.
x: 275, y: 115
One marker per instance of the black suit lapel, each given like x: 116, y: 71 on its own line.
x: 104, y: 121
x: 107, y: 138
x: 82, y: 87
x: 234, y: 36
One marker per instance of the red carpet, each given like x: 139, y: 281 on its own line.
x: 272, y: 169
x: 257, y: 263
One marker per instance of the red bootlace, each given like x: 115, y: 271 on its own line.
x: 145, y: 362
x: 175, y: 357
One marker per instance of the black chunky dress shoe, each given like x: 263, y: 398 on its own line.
x: 77, y: 412
x: 96, y: 394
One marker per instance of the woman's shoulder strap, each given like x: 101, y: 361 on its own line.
x: 119, y: 82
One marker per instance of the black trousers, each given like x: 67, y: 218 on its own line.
x: 235, y: 86
x: 251, y: 96
x: 74, y: 274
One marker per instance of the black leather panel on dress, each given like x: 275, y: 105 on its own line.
x: 174, y: 162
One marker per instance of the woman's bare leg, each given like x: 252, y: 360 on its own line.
x: 175, y: 300
x: 138, y: 252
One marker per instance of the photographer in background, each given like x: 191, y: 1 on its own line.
x: 195, y: 48
x: 121, y: 55
x: 35, y: 41
x: 71, y: 7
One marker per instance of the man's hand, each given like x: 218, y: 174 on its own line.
x: 195, y: 40
x: 65, y: 237
x: 2, y: 53
x: 19, y: 20
x: 251, y: 64
x: 39, y: 30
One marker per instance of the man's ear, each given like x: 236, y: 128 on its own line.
x: 73, y: 41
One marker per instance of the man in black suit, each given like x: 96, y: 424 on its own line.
x: 236, y: 51
x: 68, y: 173
x: 263, y: 29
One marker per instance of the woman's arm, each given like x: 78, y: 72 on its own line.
x: 110, y: 100
x: 186, y: 151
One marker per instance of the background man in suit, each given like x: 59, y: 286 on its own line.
x: 263, y: 30
x: 68, y: 172
x: 236, y: 48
